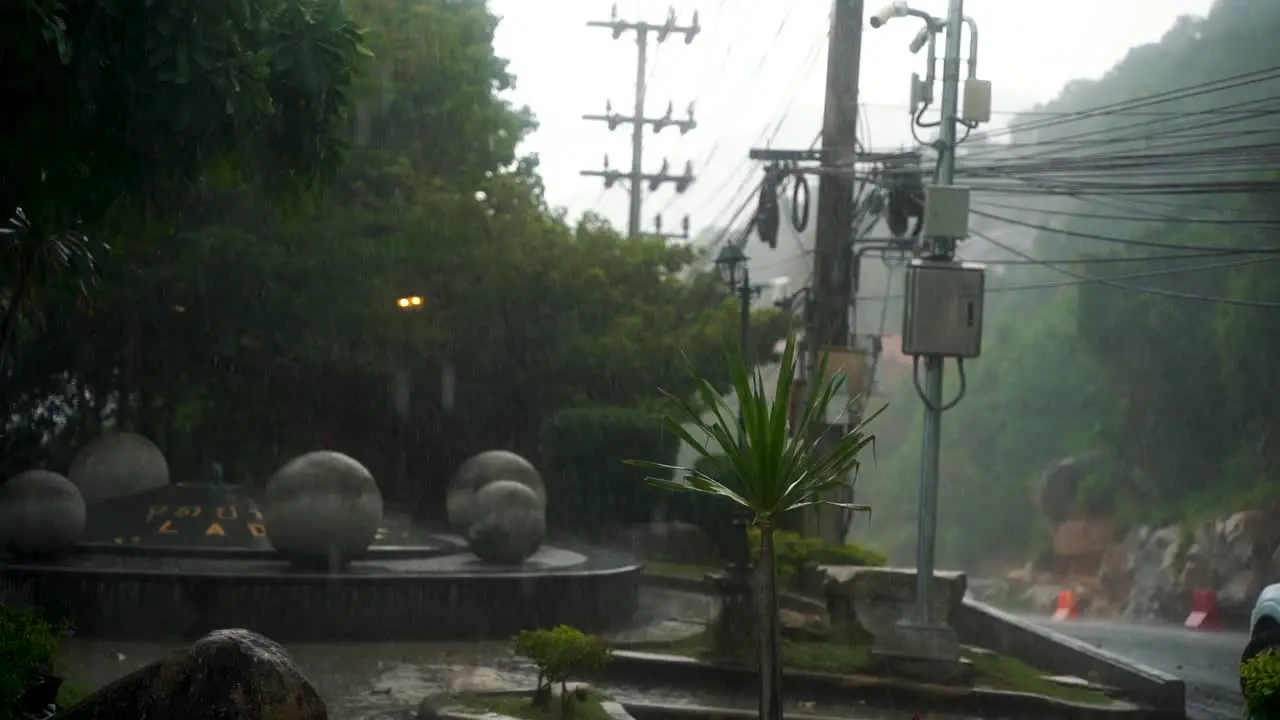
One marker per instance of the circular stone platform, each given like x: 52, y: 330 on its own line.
x: 436, y: 591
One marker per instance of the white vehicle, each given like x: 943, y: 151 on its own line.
x: 1264, y: 624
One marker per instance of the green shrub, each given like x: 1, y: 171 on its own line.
x: 583, y: 454
x: 795, y: 553
x: 28, y: 647
x: 714, y: 515
x: 1260, y: 678
x: 560, y: 654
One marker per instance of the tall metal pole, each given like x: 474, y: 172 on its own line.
x: 833, y: 246
x: 943, y: 249
x: 637, y: 135
x: 744, y: 318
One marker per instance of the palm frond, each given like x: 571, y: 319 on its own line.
x: 774, y: 465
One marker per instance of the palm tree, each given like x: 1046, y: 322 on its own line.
x: 772, y: 467
x: 33, y: 260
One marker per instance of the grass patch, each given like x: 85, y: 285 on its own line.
x: 677, y: 569
x: 585, y: 706
x: 70, y: 694
x: 1002, y: 672
x: 851, y: 655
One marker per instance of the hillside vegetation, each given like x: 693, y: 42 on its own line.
x: 1160, y: 175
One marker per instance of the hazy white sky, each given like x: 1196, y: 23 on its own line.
x: 760, y: 61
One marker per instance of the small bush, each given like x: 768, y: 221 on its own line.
x: 714, y: 515
x: 796, y: 554
x: 28, y: 647
x: 583, y: 458
x: 560, y: 654
x: 1260, y: 678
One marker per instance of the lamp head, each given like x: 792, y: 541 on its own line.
x: 728, y: 262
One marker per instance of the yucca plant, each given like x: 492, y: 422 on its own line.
x: 772, y: 467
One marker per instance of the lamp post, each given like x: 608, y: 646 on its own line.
x: 736, y: 625
x: 402, y: 391
x: 731, y: 263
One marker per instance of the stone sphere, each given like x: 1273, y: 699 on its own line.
x: 479, y: 471
x: 322, y: 508
x: 41, y: 513
x: 118, y: 464
x: 509, y: 523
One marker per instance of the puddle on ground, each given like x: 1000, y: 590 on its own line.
x: 386, y: 681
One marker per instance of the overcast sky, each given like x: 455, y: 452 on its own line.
x: 759, y: 62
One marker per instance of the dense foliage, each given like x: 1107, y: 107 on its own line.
x: 1260, y: 679
x: 1165, y: 373
x: 242, y: 335
x: 28, y: 646
x: 582, y: 453
x: 117, y: 113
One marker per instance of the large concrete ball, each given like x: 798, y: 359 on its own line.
x: 479, y: 471
x: 322, y: 507
x: 118, y: 464
x: 509, y: 523
x: 41, y: 513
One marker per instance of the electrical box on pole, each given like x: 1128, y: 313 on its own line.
x: 946, y: 212
x: 942, y: 314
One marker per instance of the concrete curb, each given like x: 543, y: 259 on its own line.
x: 981, y: 624
x: 880, y: 693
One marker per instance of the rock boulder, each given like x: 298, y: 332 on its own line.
x: 227, y: 675
x: 877, y: 598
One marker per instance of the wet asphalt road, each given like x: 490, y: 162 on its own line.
x: 1207, y: 661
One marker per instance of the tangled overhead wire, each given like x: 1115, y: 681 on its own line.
x: 768, y: 216
x: 800, y: 203
x: 904, y: 185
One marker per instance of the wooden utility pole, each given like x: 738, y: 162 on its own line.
x: 834, y: 265
x: 637, y: 178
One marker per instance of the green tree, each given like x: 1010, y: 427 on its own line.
x: 774, y: 466
x: 120, y: 112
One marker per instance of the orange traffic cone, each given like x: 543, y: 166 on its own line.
x: 1068, y: 606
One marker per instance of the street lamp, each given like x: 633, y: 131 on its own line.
x: 731, y: 263
x: 402, y: 391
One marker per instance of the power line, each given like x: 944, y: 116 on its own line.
x: 1120, y: 241
x: 1139, y: 219
x: 1181, y: 93
x: 1114, y: 280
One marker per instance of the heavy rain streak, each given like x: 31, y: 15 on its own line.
x: 696, y: 360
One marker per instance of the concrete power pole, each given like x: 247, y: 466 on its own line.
x: 637, y: 178
x: 833, y: 257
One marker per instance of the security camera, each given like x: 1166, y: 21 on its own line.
x: 898, y: 8
x: 921, y: 38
